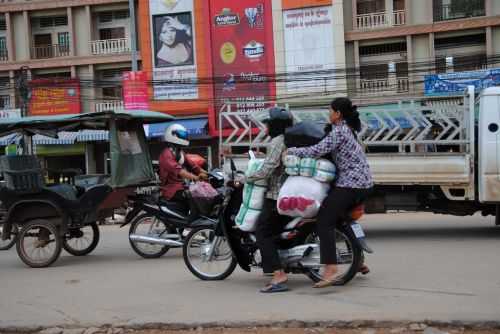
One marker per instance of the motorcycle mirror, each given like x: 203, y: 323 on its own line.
x: 233, y: 166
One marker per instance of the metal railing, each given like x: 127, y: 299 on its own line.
x: 403, y: 85
x: 4, y: 55
x: 109, y: 46
x: 472, y: 8
x: 381, y: 20
x: 50, y: 51
x: 108, y: 105
x: 374, y: 86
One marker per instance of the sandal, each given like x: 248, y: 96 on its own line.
x: 275, y: 287
x: 364, y: 270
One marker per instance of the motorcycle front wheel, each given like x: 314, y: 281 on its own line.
x: 207, y: 256
x: 349, y: 256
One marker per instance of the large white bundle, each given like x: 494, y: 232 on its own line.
x: 325, y: 171
x: 253, y: 198
x: 301, y: 197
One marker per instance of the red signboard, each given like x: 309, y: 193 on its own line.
x: 135, y: 91
x: 54, y: 97
x: 242, y: 53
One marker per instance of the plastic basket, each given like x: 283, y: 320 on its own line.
x: 22, y: 173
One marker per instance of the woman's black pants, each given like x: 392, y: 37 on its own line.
x: 269, y: 226
x: 333, y: 210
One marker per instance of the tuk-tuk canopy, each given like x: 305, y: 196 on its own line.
x: 50, y: 125
x: 130, y: 159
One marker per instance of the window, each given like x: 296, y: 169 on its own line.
x: 382, y: 48
x: 3, y: 48
x: 3, y: 25
x: 373, y: 72
x: 106, y: 17
x: 5, y: 102
x: 55, y: 21
x: 458, y: 9
x: 111, y: 33
x: 458, y: 41
x: 113, y: 93
x: 370, y: 6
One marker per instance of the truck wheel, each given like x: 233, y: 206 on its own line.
x: 39, y: 243
x: 81, y: 241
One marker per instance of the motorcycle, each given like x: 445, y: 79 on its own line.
x: 156, y: 224
x: 213, y: 252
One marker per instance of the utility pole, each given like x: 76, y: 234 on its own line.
x: 133, y: 35
x: 24, y: 95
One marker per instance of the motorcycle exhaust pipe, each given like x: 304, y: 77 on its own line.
x: 154, y: 240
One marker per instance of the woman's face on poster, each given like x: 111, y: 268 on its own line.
x: 167, y: 34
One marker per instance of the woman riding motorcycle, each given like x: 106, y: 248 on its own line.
x: 353, y: 184
x: 270, y: 223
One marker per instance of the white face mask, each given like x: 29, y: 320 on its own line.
x: 181, y: 159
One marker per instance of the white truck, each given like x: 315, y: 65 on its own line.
x: 440, y: 158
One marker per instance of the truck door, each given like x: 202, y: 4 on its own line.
x: 489, y: 145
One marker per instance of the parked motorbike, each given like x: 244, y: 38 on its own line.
x: 156, y: 225
x: 213, y: 252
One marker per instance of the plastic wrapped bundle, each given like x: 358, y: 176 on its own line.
x: 301, y: 197
x: 325, y: 171
x: 292, y: 165
x: 307, y: 167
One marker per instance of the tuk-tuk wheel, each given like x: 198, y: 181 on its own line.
x: 81, y: 241
x: 39, y: 243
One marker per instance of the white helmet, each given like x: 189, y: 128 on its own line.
x: 176, y: 134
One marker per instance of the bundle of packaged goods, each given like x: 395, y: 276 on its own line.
x: 253, y: 198
x: 303, y: 192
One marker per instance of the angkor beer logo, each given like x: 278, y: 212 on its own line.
x: 253, y: 50
x: 255, y: 16
x: 227, y: 18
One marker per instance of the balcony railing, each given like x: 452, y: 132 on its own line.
x: 108, y: 105
x: 471, y: 8
x: 384, y: 85
x: 109, y: 46
x: 381, y: 20
x: 50, y: 51
x: 4, y: 55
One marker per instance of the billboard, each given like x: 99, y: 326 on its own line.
x: 242, y: 54
x: 135, y: 90
x: 54, y: 97
x: 456, y: 83
x: 309, y: 49
x: 174, y: 54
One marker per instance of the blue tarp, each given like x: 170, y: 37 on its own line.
x: 196, y: 127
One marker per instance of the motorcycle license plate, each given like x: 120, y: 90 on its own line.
x: 358, y: 230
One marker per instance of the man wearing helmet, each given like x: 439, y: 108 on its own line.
x: 270, y: 223
x: 173, y: 164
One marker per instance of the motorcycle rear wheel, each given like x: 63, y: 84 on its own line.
x: 150, y: 226
x: 195, y: 253
x: 349, y: 254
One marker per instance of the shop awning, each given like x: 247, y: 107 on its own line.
x: 63, y: 138
x: 92, y: 135
x: 13, y: 138
x: 196, y: 127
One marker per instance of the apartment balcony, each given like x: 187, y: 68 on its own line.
x: 381, y: 20
x: 459, y: 10
x: 108, y: 105
x: 50, y: 51
x: 383, y: 86
x: 4, y: 55
x: 109, y: 46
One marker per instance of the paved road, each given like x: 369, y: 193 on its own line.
x: 426, y: 267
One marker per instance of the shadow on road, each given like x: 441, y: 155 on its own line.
x: 486, y: 232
